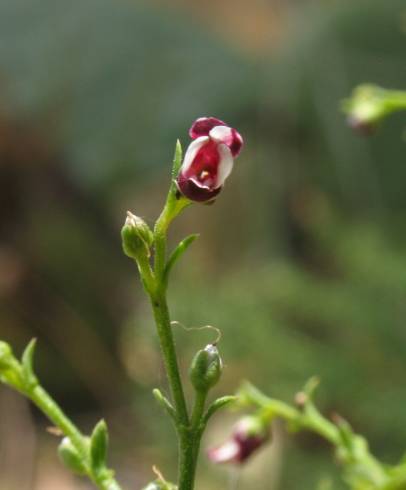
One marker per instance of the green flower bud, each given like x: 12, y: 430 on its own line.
x: 6, y: 356
x: 366, y: 107
x: 70, y: 457
x: 206, y: 368
x: 136, y: 236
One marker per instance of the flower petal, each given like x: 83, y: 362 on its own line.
x: 226, y: 453
x: 191, y: 152
x: 203, y: 125
x: 225, y: 165
x: 195, y: 191
x: 228, y: 136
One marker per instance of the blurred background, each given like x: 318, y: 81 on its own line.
x: 301, y: 262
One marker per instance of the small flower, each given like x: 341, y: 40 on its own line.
x: 249, y: 434
x: 209, y: 159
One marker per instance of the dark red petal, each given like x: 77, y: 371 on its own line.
x: 194, y: 192
x: 203, y: 125
x: 248, y: 445
x: 236, y: 144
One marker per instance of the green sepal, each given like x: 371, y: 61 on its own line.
x: 206, y: 368
x: 70, y: 457
x: 27, y: 364
x: 98, y: 447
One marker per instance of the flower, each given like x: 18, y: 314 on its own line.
x: 209, y: 159
x: 249, y: 434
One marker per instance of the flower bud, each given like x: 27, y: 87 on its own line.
x: 206, y: 368
x: 367, y: 106
x: 70, y: 457
x: 6, y: 356
x: 249, y: 434
x: 136, y: 236
x: 209, y: 159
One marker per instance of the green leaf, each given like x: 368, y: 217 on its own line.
x: 218, y: 404
x: 177, y: 159
x: 178, y: 252
x: 70, y: 457
x: 98, y: 447
x: 164, y: 402
x: 6, y: 356
x: 27, y: 363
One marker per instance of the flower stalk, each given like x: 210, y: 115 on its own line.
x: 200, y: 177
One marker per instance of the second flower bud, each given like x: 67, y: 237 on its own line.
x: 206, y: 368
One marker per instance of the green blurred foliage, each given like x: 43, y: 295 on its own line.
x: 301, y: 263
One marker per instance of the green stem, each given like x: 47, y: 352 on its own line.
x: 188, y: 435
x: 49, y: 407
x: 198, y: 409
x: 167, y: 342
x: 190, y: 444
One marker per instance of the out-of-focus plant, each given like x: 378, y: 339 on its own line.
x: 370, y: 104
x: 84, y: 455
x: 361, y: 469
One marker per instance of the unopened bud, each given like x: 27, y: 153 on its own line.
x: 249, y: 434
x: 70, y: 457
x: 206, y: 368
x: 136, y: 236
x: 366, y: 107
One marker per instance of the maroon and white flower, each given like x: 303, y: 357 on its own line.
x: 209, y: 159
x: 249, y: 434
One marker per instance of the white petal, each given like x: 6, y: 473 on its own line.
x: 222, y: 134
x: 190, y: 154
x: 225, y: 453
x: 225, y: 165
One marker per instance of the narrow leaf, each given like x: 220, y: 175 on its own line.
x: 178, y: 252
x: 177, y: 159
x: 27, y: 363
x: 98, y: 447
x: 217, y: 405
x: 164, y: 402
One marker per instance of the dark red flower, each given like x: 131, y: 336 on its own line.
x: 249, y: 434
x: 209, y: 159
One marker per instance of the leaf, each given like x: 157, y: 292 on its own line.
x: 178, y: 252
x: 27, y: 363
x: 165, y: 403
x: 217, y: 405
x: 98, y: 447
x: 177, y: 159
